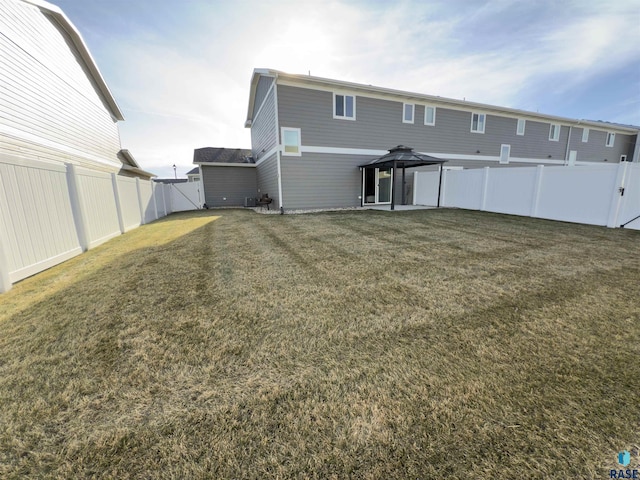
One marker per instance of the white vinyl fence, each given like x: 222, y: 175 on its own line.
x: 592, y: 194
x: 52, y: 212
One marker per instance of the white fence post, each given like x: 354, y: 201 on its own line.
x: 617, y: 195
x: 77, y: 208
x: 485, y: 186
x: 415, y: 183
x: 537, y: 187
x: 153, y: 199
x: 5, y: 281
x: 164, y: 198
x: 140, y: 201
x: 116, y: 194
x: 443, y: 187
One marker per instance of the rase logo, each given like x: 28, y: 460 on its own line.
x: 624, y: 459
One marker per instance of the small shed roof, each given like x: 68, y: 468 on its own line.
x: 211, y: 155
x: 402, y: 157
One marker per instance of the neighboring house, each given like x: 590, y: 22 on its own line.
x: 311, y: 135
x: 229, y: 176
x: 54, y: 104
x: 193, y: 175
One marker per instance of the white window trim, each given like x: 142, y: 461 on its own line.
x: 484, y: 122
x: 556, y: 131
x: 290, y: 129
x: 413, y: 112
x: 426, y: 107
x: 344, y: 117
x: 523, y: 122
x: 585, y: 135
x: 613, y: 139
x: 505, y: 161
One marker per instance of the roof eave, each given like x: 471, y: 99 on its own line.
x: 255, y: 78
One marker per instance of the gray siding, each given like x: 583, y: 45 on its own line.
x: 232, y: 183
x: 47, y: 90
x: 378, y: 125
x: 320, y: 180
x: 261, y: 92
x: 264, y: 135
x: 595, y: 150
x: 267, y: 173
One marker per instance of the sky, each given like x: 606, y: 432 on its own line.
x: 180, y: 69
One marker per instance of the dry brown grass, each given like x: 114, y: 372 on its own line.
x: 424, y: 344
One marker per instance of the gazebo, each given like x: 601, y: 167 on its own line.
x: 403, y: 157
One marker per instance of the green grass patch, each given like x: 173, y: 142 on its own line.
x: 420, y: 344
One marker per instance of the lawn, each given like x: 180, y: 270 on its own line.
x: 421, y: 344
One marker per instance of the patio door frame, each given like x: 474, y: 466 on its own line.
x: 377, y: 189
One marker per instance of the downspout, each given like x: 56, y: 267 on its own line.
x: 279, y: 145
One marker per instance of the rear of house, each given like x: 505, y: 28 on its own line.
x: 310, y: 135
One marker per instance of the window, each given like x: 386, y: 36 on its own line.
x: 344, y: 106
x: 429, y: 115
x: 585, y: 135
x: 505, y: 152
x: 477, y: 122
x: 554, y: 132
x: 408, y: 110
x: 611, y: 138
x: 520, y: 128
x: 291, y: 141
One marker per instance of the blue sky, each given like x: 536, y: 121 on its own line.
x: 180, y: 70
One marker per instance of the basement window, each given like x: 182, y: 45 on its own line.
x: 291, y: 141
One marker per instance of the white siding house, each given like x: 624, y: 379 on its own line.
x: 63, y: 185
x: 54, y: 103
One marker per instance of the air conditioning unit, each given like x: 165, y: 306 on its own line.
x: 249, y: 201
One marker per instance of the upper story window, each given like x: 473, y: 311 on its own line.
x: 554, y: 132
x: 344, y: 106
x: 585, y: 135
x: 477, y: 122
x: 611, y: 138
x: 429, y: 115
x: 408, y: 110
x: 521, y: 125
x: 291, y: 141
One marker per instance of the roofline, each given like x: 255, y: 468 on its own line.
x: 60, y: 17
x: 223, y: 164
x: 255, y: 77
x: 308, y: 79
x: 127, y: 154
x: 138, y: 170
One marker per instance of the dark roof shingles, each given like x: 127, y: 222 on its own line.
x: 222, y: 155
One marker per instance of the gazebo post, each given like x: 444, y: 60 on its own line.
x: 393, y: 190
x: 440, y: 185
x: 362, y: 187
x: 404, y: 189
